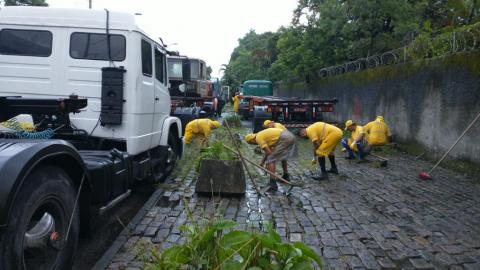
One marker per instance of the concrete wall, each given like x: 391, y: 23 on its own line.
x: 428, y: 102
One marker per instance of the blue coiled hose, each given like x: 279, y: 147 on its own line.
x: 46, y: 134
x: 21, y: 133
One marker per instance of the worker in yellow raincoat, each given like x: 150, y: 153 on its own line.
x: 325, y: 138
x: 272, y: 124
x: 378, y: 132
x: 278, y: 145
x: 201, y: 128
x: 357, y: 144
x: 236, y: 102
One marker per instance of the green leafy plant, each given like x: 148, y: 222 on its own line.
x: 216, y: 245
x: 215, y: 151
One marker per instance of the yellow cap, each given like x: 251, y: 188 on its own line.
x: 216, y: 124
x: 267, y: 122
x: 379, y: 117
x: 250, y: 137
x: 348, y: 124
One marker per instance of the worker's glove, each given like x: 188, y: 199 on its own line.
x: 353, y: 144
x: 314, y: 161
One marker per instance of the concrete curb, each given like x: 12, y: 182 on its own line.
x: 107, y: 257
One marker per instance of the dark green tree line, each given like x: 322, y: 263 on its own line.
x: 329, y: 32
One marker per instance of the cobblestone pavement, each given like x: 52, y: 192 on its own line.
x: 364, y: 218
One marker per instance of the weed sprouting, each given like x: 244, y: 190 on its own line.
x: 215, y: 244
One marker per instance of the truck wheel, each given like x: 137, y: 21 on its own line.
x: 36, y: 232
x: 172, y: 155
x: 259, y: 116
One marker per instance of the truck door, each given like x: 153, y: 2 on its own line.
x: 162, y: 96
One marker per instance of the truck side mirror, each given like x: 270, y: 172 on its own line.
x: 185, y: 70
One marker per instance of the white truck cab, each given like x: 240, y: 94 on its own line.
x: 48, y: 52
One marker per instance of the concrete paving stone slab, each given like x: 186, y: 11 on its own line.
x: 396, y: 255
x: 329, y: 242
x: 353, y: 261
x: 146, y: 221
x: 140, y: 229
x: 346, y: 250
x: 331, y: 253
x: 462, y: 259
x: 472, y: 266
x: 295, y: 237
x: 150, y: 231
x: 453, y: 249
x: 335, y: 264
x: 368, y: 259
x: 386, y: 264
x: 420, y: 263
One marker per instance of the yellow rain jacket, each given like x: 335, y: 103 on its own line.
x: 198, y: 127
x: 377, y: 133
x: 268, y: 137
x: 327, y: 135
x: 236, y: 103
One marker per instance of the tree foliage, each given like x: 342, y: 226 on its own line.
x: 328, y: 32
x: 26, y: 3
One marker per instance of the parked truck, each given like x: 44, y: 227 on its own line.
x: 254, y: 88
x: 96, y: 88
x: 192, y: 94
x: 259, y: 103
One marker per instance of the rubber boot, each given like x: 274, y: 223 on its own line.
x: 323, y: 175
x: 334, y: 169
x: 273, y: 184
x: 286, y: 176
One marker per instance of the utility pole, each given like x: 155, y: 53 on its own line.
x: 90, y: 4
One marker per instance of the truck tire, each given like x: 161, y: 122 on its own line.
x: 259, y: 116
x: 172, y: 155
x: 40, y: 214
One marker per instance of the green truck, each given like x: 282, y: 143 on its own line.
x: 259, y: 88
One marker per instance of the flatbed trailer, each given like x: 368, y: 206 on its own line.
x: 291, y: 112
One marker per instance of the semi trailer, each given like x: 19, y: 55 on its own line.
x: 260, y: 104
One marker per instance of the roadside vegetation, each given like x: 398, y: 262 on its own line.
x: 213, y: 243
x: 330, y: 32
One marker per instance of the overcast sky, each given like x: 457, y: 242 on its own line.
x: 207, y: 29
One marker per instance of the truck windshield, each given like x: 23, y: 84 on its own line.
x: 195, y: 69
x: 175, y: 68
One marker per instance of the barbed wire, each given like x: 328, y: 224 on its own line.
x: 420, y: 48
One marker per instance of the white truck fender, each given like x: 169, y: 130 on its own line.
x: 169, y: 121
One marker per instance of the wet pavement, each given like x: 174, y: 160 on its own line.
x: 367, y: 217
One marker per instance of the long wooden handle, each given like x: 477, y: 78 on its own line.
x: 262, y: 168
x: 456, y: 142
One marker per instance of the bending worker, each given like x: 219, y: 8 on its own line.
x: 356, y: 145
x: 236, y: 102
x: 278, y: 145
x: 201, y: 128
x: 325, y: 138
x: 272, y: 124
x: 378, y: 132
